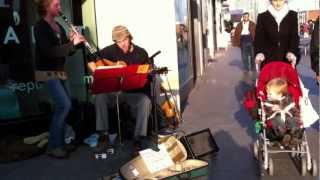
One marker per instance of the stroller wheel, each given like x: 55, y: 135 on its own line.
x: 256, y: 149
x: 299, y: 149
x: 303, y: 166
x: 314, y: 167
x: 293, y: 153
x: 261, y: 164
x: 271, y: 167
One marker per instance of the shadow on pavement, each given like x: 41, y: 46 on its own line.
x: 315, y: 125
x: 232, y: 161
x: 242, y: 116
x: 310, y: 83
x: 236, y: 63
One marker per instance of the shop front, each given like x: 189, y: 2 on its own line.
x: 22, y: 99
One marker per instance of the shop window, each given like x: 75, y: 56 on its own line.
x: 20, y: 95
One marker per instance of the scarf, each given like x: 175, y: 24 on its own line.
x: 279, y: 15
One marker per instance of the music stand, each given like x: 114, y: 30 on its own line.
x: 116, y: 79
x: 154, y: 99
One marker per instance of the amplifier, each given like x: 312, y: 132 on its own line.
x: 200, y: 144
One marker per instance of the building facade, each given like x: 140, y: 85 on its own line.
x: 187, y: 32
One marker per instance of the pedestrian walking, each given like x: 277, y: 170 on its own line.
x: 314, y: 50
x: 243, y: 38
x: 277, y: 36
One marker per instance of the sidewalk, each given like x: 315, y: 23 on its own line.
x: 215, y: 103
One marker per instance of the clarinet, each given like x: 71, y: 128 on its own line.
x: 73, y: 28
x: 100, y: 61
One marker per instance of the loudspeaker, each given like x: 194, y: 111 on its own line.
x: 200, y: 144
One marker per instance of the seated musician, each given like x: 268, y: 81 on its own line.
x: 123, y: 51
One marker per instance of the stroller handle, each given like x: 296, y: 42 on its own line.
x: 257, y: 68
x: 293, y: 64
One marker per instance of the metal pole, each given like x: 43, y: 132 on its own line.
x: 118, y: 116
x: 118, y: 111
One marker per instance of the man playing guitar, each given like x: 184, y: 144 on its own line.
x: 124, y: 52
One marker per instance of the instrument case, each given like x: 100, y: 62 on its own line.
x: 200, y: 145
x: 183, y: 168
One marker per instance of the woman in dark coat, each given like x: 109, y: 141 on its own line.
x: 277, y: 36
x: 314, y: 50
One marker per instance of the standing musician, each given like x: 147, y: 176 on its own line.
x: 123, y: 51
x: 52, y: 48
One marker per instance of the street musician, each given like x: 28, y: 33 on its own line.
x: 123, y: 52
x: 52, y: 48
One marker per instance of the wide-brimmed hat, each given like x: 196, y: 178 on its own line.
x: 120, y: 32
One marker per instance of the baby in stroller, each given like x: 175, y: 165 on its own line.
x: 278, y: 93
x: 282, y: 113
x: 277, y: 104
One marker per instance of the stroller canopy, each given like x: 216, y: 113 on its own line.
x: 279, y: 69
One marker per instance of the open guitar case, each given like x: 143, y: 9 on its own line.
x: 184, y: 155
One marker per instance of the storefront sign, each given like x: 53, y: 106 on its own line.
x: 15, y: 50
x: 18, y: 89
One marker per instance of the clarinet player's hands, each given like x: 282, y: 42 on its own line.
x: 76, y: 38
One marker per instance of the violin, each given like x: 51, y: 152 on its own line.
x: 170, y: 110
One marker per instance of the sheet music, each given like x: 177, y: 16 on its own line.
x: 107, y: 80
x: 156, y: 161
x: 110, y: 67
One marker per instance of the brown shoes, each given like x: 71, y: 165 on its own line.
x: 103, y: 144
x: 136, y: 148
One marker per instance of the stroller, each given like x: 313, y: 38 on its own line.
x: 255, y: 103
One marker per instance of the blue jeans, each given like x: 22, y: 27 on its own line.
x: 62, y: 104
x: 247, y: 56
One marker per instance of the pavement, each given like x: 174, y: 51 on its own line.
x: 214, y: 103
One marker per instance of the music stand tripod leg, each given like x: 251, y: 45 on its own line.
x: 118, y: 117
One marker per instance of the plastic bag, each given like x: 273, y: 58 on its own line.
x: 308, y: 114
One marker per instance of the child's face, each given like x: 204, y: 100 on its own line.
x: 272, y: 95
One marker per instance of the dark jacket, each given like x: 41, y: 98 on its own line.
x: 274, y: 43
x: 114, y: 53
x: 238, y: 30
x: 314, y: 48
x: 50, y: 50
x: 137, y: 56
